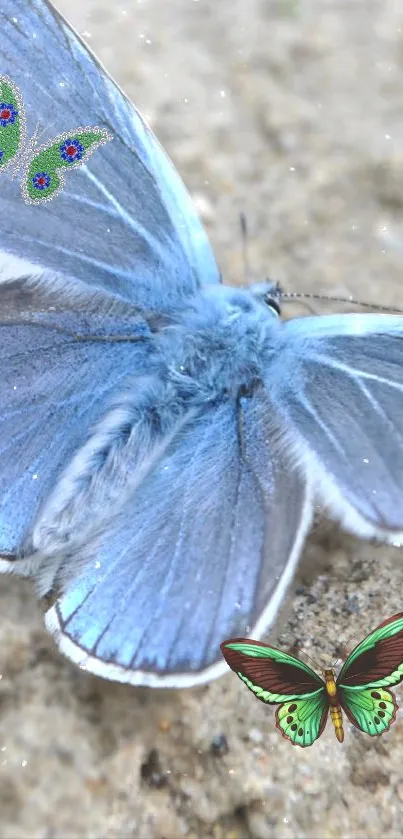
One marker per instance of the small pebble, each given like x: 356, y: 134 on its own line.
x: 151, y: 771
x: 219, y: 746
x: 255, y: 735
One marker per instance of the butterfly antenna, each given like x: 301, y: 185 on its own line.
x: 295, y: 295
x: 24, y: 155
x: 245, y: 246
x: 27, y: 150
x: 37, y: 133
x: 344, y: 644
x: 315, y: 663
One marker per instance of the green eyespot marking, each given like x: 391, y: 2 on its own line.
x: 305, y: 699
x: 43, y: 169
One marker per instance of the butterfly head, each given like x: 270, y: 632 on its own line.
x: 328, y: 673
x: 269, y: 294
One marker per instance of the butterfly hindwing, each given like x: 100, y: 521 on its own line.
x: 356, y: 456
x: 44, y: 177
x: 189, y: 549
x: 378, y: 660
x: 371, y: 711
x: 12, y: 121
x: 272, y: 675
x: 302, y: 721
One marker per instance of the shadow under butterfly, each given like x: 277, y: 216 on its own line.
x: 164, y: 438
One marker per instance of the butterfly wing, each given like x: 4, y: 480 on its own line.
x: 371, y: 711
x: 373, y: 665
x: 125, y: 222
x: 273, y: 676
x: 44, y: 178
x: 58, y: 378
x: 304, y: 720
x: 12, y: 121
x: 199, y: 551
x: 378, y: 660
x: 338, y: 383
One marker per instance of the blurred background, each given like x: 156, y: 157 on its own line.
x: 291, y: 112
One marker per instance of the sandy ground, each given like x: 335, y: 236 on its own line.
x: 292, y: 112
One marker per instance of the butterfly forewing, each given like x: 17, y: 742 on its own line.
x: 378, y: 660
x: 12, y: 121
x: 272, y: 675
x: 125, y: 222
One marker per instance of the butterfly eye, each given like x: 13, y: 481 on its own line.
x: 273, y: 304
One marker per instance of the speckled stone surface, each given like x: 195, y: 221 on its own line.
x: 292, y: 112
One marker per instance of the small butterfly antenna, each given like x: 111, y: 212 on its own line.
x: 245, y: 243
x: 37, y: 133
x: 343, y: 644
x: 26, y: 151
x: 295, y: 295
x: 315, y: 663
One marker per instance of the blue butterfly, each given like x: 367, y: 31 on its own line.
x: 164, y: 438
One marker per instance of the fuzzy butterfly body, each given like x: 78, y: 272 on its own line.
x: 44, y: 167
x: 360, y: 690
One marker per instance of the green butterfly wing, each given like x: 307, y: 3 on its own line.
x: 372, y: 711
x: 378, y: 660
x: 303, y: 720
x: 375, y: 664
x: 44, y: 177
x: 272, y: 675
x: 12, y: 121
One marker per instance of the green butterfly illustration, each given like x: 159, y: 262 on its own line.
x: 360, y: 689
x: 43, y: 168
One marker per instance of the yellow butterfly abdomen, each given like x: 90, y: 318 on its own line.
x: 335, y: 710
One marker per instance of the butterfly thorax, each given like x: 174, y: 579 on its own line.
x: 335, y: 710
x: 222, y: 344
